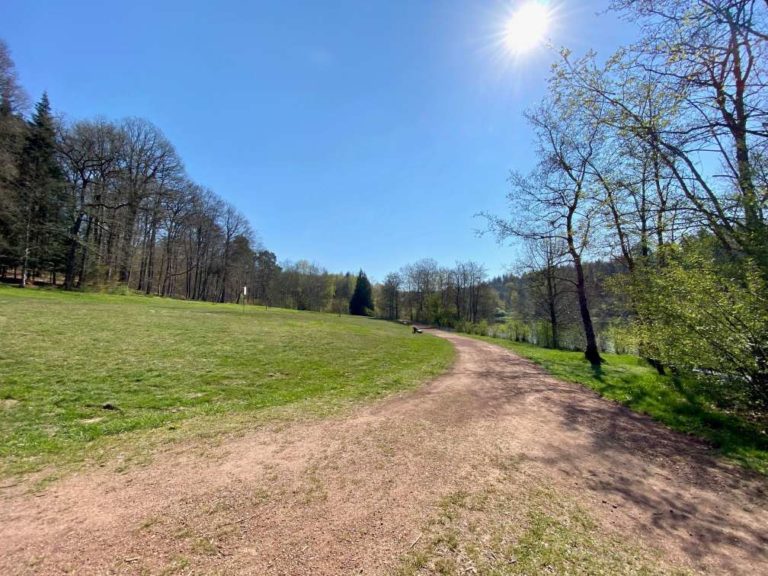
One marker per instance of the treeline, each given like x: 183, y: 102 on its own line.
x: 304, y: 285
x: 426, y: 292
x: 97, y: 202
x: 657, y: 160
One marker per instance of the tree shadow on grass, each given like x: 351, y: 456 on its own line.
x: 734, y: 436
x: 677, y: 402
x: 667, y: 485
x: 679, y: 488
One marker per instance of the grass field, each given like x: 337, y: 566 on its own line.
x: 682, y: 405
x: 168, y: 367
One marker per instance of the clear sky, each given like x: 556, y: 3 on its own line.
x: 353, y: 133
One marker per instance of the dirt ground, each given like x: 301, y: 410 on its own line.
x: 352, y: 494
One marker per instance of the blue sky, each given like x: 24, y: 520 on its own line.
x: 354, y: 133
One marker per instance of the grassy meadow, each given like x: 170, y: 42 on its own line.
x: 80, y: 372
x: 681, y: 404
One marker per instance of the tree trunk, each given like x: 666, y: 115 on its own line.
x: 151, y: 259
x: 126, y: 249
x: 551, y: 301
x: 71, y: 261
x: 25, y: 261
x: 591, y: 353
x: 84, y: 260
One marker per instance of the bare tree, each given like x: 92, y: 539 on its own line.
x: 421, y: 280
x: 556, y: 202
x: 13, y: 98
x: 146, y: 162
x: 89, y: 154
x: 391, y: 296
x: 545, y: 257
x: 266, y: 274
x: 233, y: 225
x: 709, y: 60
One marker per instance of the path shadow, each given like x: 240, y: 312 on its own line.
x: 674, y: 486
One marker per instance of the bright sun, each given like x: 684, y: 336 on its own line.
x: 527, y: 27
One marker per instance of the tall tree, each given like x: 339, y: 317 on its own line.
x: 361, y: 303
x: 710, y: 60
x: 40, y: 189
x: 421, y: 280
x: 13, y: 98
x: 12, y: 134
x: 267, y: 271
x: 555, y: 202
x: 233, y: 225
x: 343, y: 286
x: 89, y: 152
x: 544, y: 258
x: 147, y: 160
x: 391, y: 296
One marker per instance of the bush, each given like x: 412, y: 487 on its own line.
x: 518, y: 331
x: 619, y: 338
x: 481, y: 328
x: 706, y: 317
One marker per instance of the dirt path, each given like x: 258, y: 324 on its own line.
x: 351, y: 495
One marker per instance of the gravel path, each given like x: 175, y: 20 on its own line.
x: 352, y: 494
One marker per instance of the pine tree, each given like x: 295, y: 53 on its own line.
x: 361, y: 303
x: 40, y: 189
x: 12, y: 137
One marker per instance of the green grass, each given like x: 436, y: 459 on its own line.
x: 683, y: 405
x: 170, y: 366
x: 498, y: 531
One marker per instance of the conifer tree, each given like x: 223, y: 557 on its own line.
x: 40, y: 189
x: 12, y: 134
x: 361, y: 303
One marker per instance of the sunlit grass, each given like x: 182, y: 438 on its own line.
x: 162, y: 364
x: 518, y: 529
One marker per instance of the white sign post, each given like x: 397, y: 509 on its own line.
x: 245, y: 293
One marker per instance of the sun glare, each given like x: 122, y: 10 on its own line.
x: 527, y: 28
